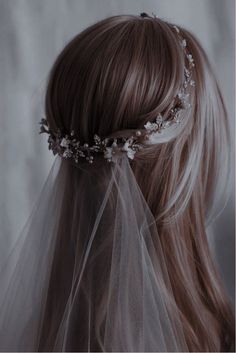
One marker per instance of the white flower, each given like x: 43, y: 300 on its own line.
x: 64, y: 143
x: 108, y: 153
x: 190, y: 58
x: 184, y: 97
x: 127, y: 148
x: 150, y: 126
x: 184, y: 43
x: 131, y: 153
x: 67, y: 154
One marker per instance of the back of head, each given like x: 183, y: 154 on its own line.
x: 113, y: 78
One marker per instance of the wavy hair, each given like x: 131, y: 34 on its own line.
x: 117, y: 75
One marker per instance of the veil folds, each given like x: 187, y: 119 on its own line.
x: 88, y: 272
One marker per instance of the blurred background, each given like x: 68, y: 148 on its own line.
x: 32, y: 33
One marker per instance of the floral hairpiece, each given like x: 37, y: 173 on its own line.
x: 67, y: 146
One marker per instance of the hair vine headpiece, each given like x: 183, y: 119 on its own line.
x: 67, y: 146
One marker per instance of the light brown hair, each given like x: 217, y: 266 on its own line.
x: 117, y: 75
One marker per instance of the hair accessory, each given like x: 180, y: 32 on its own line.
x: 66, y: 145
x: 144, y: 14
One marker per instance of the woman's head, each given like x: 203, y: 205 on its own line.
x: 121, y: 73
x: 125, y: 70
x: 115, y: 75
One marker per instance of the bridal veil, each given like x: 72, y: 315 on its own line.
x: 88, y: 272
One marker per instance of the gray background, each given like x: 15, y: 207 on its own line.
x: 32, y: 33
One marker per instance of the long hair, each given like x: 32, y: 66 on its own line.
x: 117, y: 75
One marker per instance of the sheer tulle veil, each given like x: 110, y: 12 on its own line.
x: 85, y: 271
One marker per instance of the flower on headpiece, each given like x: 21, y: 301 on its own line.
x: 184, y: 99
x: 127, y: 148
x: 150, y: 126
x: 108, y: 153
x: 67, y: 153
x: 190, y: 58
x: 65, y: 142
x: 184, y: 43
